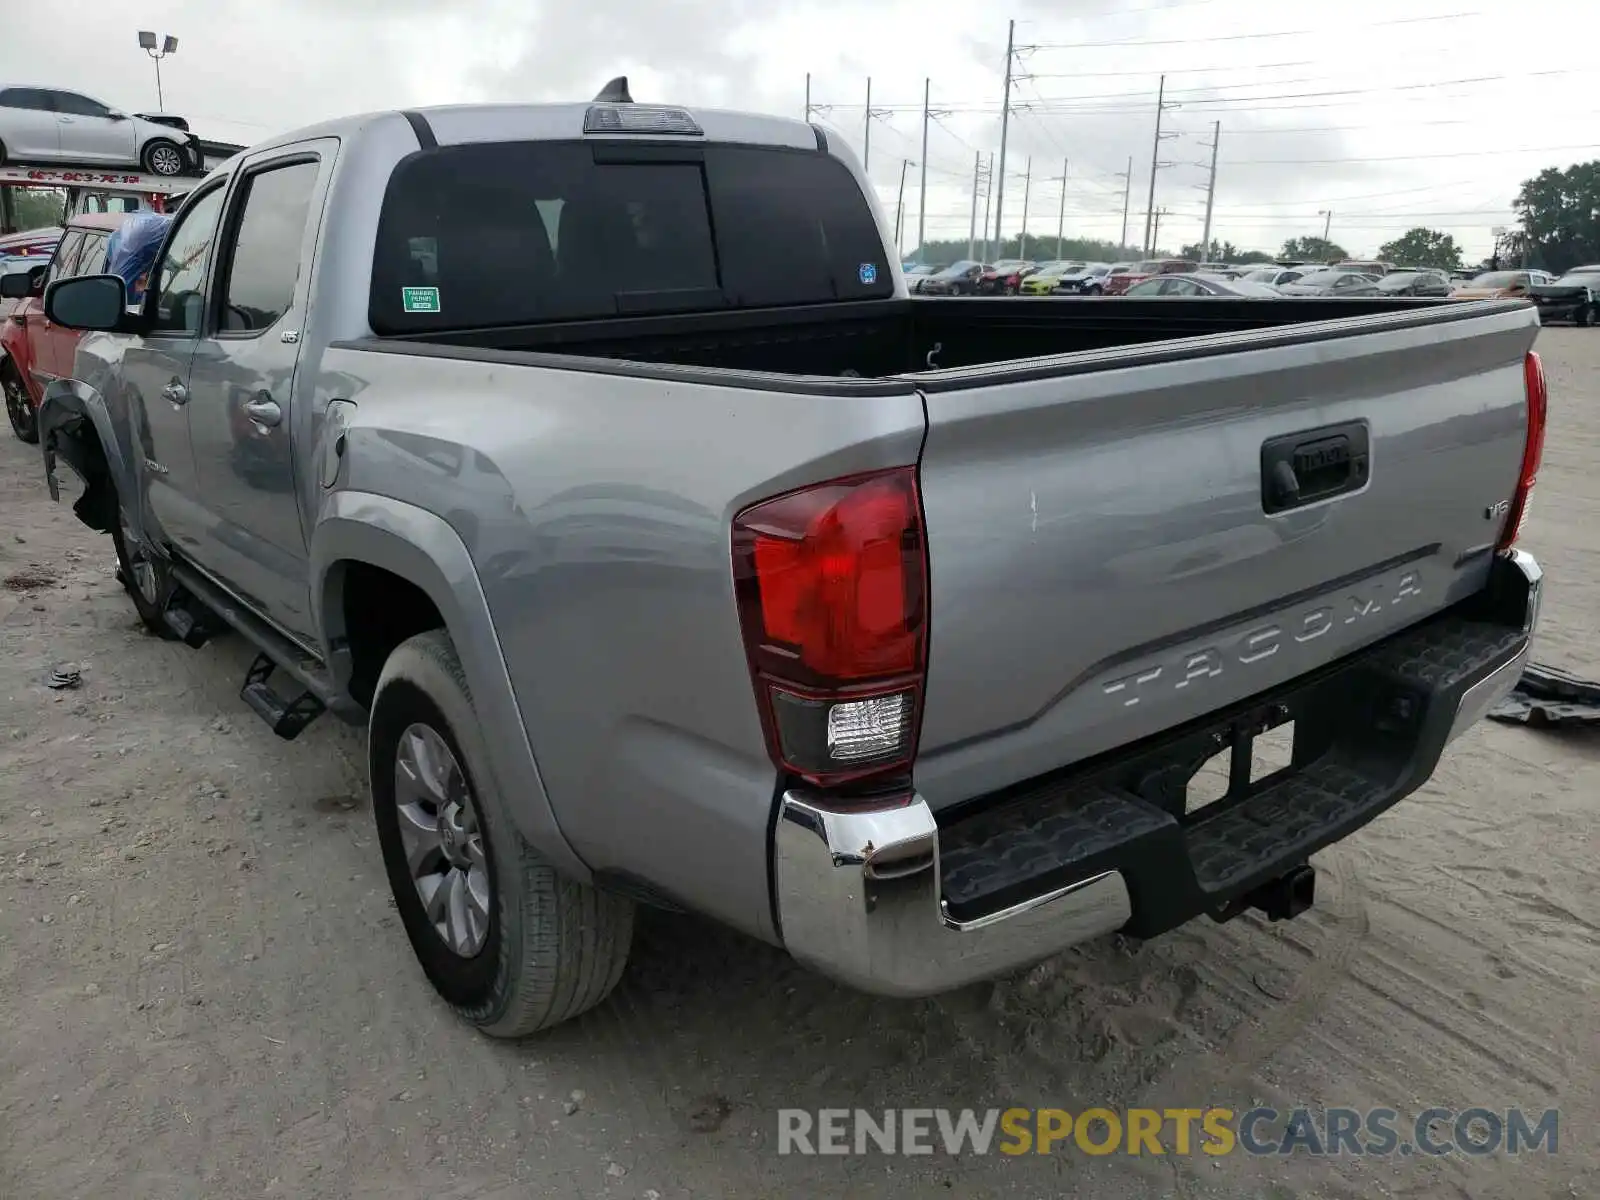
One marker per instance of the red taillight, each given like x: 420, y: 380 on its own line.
x: 832, y: 589
x: 1532, y: 449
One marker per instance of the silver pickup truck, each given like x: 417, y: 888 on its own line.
x: 595, y: 458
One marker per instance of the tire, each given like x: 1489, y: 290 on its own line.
x: 1583, y: 318
x: 536, y: 949
x: 1094, y: 289
x: 162, y: 157
x: 147, y: 580
x: 19, y: 405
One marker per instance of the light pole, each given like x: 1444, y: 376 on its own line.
x: 168, y: 45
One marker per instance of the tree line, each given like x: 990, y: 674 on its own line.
x: 1419, y: 247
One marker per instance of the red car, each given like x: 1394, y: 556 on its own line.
x: 1117, y: 284
x: 1005, y: 277
x: 35, y: 350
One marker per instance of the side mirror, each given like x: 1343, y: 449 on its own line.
x: 89, y: 302
x: 114, y: 115
x: 19, y: 285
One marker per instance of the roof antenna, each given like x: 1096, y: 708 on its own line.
x: 615, y: 92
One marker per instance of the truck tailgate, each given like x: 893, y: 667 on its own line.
x: 1113, y: 551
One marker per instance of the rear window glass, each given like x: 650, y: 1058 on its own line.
x: 520, y: 233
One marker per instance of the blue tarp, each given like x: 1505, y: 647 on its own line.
x: 132, y: 250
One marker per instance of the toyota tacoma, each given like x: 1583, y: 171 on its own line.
x: 595, y: 460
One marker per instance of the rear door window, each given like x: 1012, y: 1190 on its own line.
x: 483, y: 235
x: 31, y: 98
x: 263, y: 265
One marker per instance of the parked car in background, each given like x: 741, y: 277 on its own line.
x: 1119, y: 282
x: 1273, y: 276
x: 915, y: 273
x: 1415, y: 283
x: 1495, y: 285
x: 1199, y: 285
x: 1005, y: 277
x: 1048, y: 277
x: 47, y: 125
x: 36, y: 350
x: 19, y: 251
x: 1332, y: 281
x: 1574, y: 297
x: 958, y: 279
x: 1366, y: 267
x: 1087, y: 280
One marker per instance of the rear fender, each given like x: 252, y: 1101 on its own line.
x: 422, y: 548
x: 75, y: 427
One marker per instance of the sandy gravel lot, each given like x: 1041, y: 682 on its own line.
x: 206, y: 993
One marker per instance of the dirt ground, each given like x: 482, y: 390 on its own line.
x: 206, y: 993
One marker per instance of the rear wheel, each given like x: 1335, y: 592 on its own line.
x: 1094, y: 289
x: 511, y: 945
x: 162, y: 157
x: 1584, y: 318
x: 19, y: 405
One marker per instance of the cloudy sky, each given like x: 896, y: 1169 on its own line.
x: 1388, y: 113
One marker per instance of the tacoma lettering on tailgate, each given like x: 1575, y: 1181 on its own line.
x: 1190, y: 667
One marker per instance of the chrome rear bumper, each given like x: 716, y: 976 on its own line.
x: 858, y: 898
x: 860, y: 894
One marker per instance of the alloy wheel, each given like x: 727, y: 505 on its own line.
x: 442, y: 839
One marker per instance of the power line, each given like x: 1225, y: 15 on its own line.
x: 1239, y: 37
x: 1363, y: 158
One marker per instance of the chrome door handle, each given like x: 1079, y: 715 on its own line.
x: 264, y: 412
x: 175, y: 393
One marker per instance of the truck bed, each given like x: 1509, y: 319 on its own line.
x: 881, y: 339
x: 1105, y: 560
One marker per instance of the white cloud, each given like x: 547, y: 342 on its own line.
x: 1328, y: 107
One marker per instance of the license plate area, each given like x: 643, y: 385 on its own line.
x: 1248, y: 754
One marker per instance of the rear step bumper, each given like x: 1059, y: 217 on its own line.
x: 893, y: 902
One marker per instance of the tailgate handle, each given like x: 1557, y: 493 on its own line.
x: 1315, y: 464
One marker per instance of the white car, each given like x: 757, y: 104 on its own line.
x: 48, y: 125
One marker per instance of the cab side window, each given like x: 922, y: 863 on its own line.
x: 65, y: 264
x: 92, y: 258
x: 178, y: 302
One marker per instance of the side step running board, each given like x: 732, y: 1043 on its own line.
x: 286, y: 716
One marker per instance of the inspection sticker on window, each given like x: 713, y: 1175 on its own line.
x: 419, y: 299
x: 867, y: 273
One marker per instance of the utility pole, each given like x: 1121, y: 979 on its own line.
x: 866, y: 141
x: 808, y: 97
x: 1155, y: 163
x: 988, y: 195
x: 1127, y: 192
x: 1327, y: 224
x: 1211, y: 190
x: 928, y: 114
x: 972, y: 229
x: 1027, y: 188
x: 1156, y: 230
x: 1061, y: 219
x: 900, y: 205
x: 1005, y: 122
